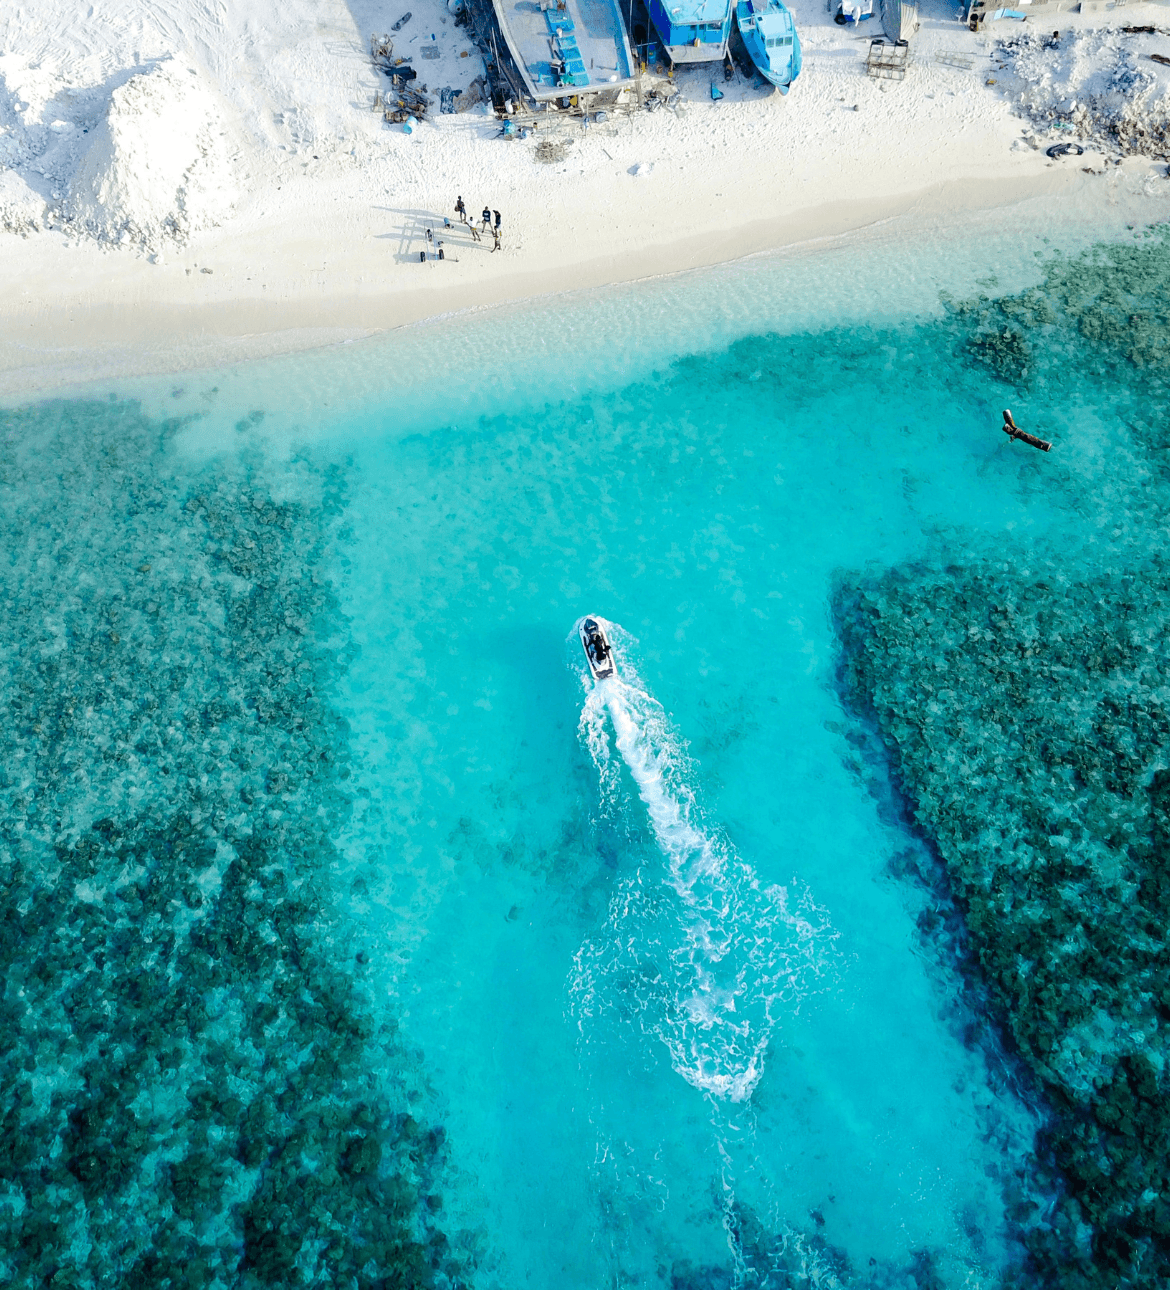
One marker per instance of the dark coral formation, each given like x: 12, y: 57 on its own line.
x: 195, y: 1093
x: 796, y: 1259
x: 1025, y: 718
x: 1005, y: 353
x: 1103, y: 313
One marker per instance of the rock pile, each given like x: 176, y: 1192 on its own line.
x: 1097, y: 84
x: 21, y: 210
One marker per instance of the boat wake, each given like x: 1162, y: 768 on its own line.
x: 694, y: 950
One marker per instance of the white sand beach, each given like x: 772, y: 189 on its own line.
x: 191, y: 183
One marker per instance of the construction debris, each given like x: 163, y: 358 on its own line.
x: 550, y: 151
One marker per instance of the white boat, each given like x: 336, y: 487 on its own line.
x: 564, y: 48
x: 598, y: 652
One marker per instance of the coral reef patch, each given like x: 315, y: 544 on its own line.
x: 197, y: 1091
x: 1022, y: 698
x: 1102, y: 313
x: 1029, y: 735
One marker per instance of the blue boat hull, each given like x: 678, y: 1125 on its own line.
x: 778, y: 63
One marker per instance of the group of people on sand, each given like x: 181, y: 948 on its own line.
x: 486, y: 223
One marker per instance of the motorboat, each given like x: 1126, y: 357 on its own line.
x: 598, y: 651
x: 769, y: 36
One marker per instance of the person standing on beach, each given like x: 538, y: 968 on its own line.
x: 487, y: 219
x: 497, y: 215
x: 496, y: 236
x: 460, y: 209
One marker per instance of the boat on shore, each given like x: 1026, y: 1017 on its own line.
x: 692, y: 31
x: 769, y: 36
x: 567, y: 49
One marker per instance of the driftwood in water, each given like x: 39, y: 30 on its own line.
x: 1013, y: 431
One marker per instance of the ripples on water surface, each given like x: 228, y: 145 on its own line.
x: 352, y: 937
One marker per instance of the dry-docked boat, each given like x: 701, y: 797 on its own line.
x: 769, y: 36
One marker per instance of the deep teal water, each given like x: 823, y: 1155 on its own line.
x: 352, y: 938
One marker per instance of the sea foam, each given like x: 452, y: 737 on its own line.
x: 705, y: 956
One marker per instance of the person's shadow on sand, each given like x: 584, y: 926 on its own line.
x: 412, y: 236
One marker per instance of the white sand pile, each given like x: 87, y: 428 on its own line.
x: 159, y: 167
x: 1098, y: 85
x: 21, y: 210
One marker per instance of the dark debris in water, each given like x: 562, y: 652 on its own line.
x: 196, y: 1090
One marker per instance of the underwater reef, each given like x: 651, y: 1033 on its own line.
x: 1023, y: 699
x: 196, y: 1092
x: 1029, y: 727
x: 1102, y: 314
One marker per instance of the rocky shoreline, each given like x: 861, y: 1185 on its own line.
x: 1098, y: 86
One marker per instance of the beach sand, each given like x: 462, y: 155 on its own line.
x: 328, y: 206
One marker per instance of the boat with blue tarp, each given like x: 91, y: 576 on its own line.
x: 568, y: 48
x: 692, y: 31
x: 769, y: 36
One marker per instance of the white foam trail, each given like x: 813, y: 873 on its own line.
x: 696, y: 952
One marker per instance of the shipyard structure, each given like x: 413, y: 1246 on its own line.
x: 578, y: 54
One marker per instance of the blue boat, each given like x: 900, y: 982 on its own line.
x: 769, y: 35
x: 692, y: 31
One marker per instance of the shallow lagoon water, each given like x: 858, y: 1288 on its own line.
x: 648, y: 963
x: 697, y: 531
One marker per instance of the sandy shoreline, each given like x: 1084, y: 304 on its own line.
x: 324, y: 237
x: 52, y: 344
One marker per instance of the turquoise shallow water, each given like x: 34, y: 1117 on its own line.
x: 365, y: 942
x: 694, y: 511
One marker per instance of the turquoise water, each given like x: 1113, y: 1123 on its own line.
x: 354, y: 937
x: 691, y: 530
